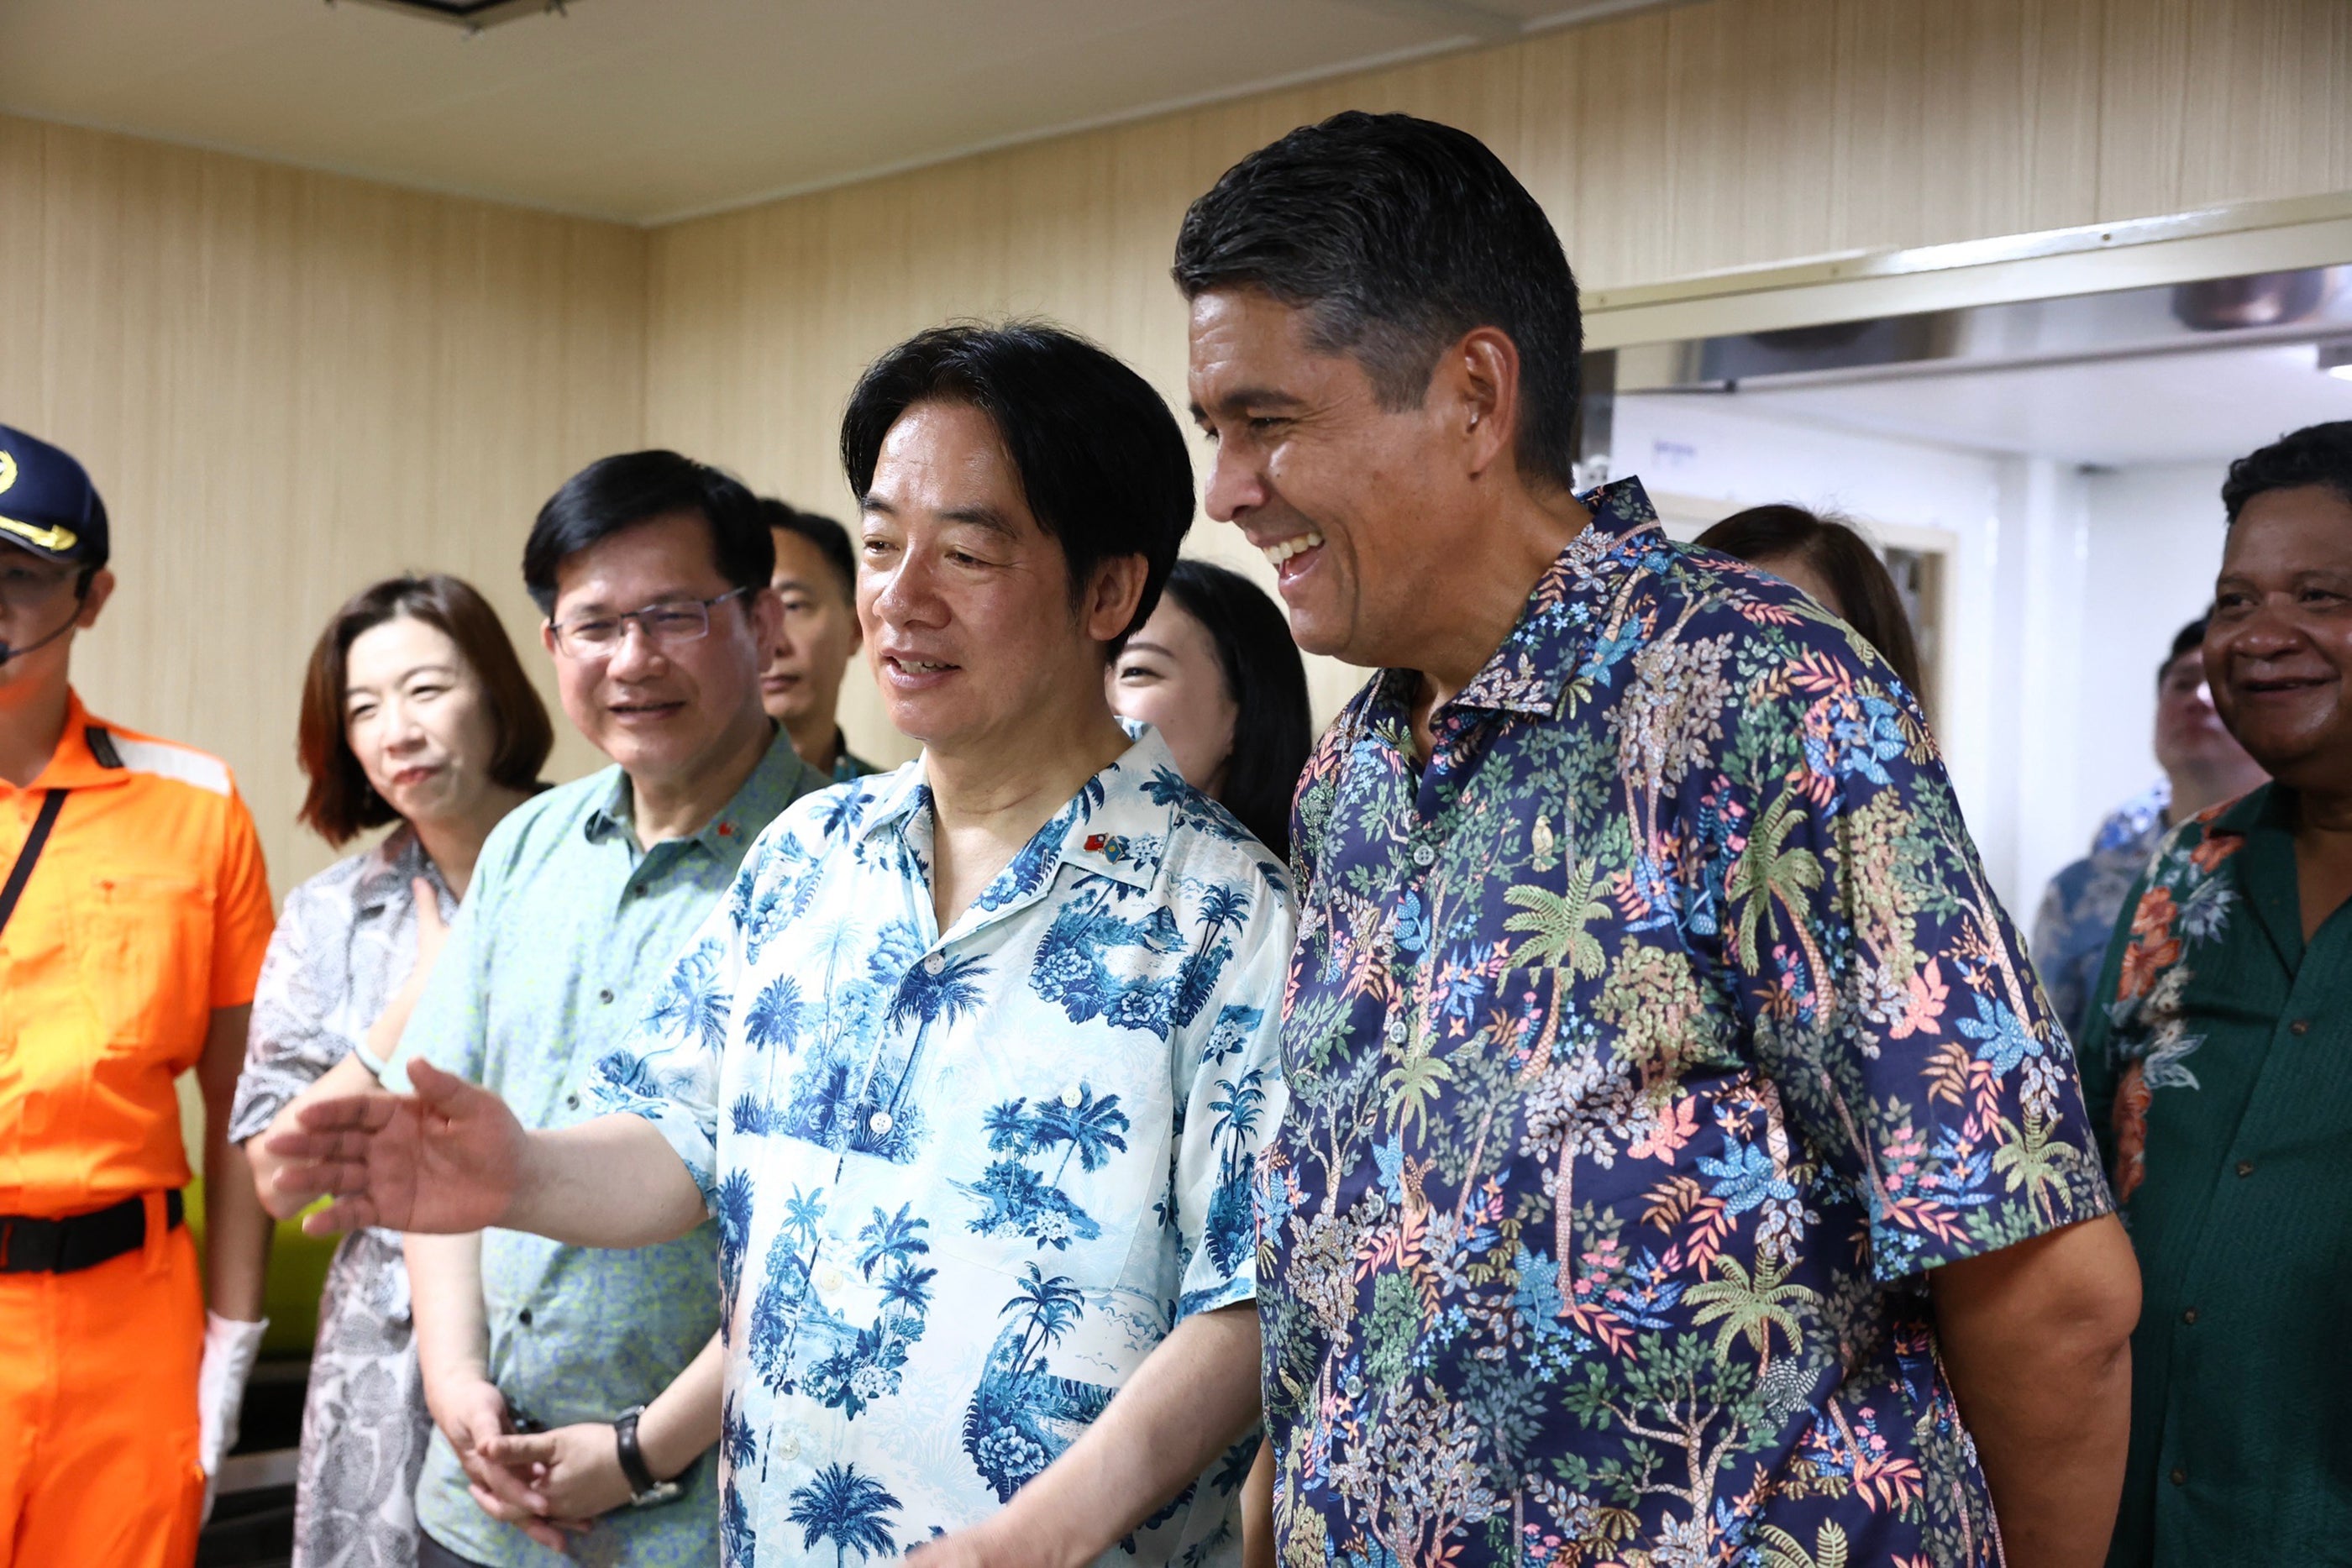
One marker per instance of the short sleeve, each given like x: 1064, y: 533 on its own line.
x: 668, y: 1069
x: 288, y: 1043
x: 2097, y: 1051
x: 1229, y: 1082
x: 241, y: 912
x: 1888, y: 993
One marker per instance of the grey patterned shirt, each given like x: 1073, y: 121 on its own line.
x: 345, y: 942
x: 568, y: 927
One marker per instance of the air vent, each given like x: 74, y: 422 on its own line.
x: 473, y: 15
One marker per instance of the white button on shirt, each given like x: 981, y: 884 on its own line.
x: 976, y: 1134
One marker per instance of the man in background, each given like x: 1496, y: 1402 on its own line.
x: 133, y: 915
x: 654, y: 573
x: 2203, y: 766
x: 816, y: 580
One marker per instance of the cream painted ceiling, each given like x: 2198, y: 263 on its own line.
x: 647, y: 111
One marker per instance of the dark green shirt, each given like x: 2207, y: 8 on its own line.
x: 2218, y: 1068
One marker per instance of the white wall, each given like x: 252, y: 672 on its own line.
x: 2155, y: 545
x: 2039, y: 640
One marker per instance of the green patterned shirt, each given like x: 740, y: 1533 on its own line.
x: 2219, y: 1067
x: 567, y: 929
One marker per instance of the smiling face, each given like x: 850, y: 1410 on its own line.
x: 415, y: 715
x: 1344, y: 498
x: 663, y: 711
x: 819, y: 633
x: 1169, y: 676
x: 965, y: 600
x: 2279, y: 641
x: 2189, y: 733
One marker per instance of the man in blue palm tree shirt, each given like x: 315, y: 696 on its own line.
x: 973, y: 1063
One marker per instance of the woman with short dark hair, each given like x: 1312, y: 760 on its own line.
x: 1216, y: 672
x: 415, y: 712
x: 1830, y: 559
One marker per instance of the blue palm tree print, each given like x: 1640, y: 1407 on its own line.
x: 1022, y: 1416
x: 774, y: 1021
x: 895, y: 1127
x: 1019, y: 1200
x: 730, y: 1205
x: 849, y: 1510
x: 1090, y: 1128
x: 928, y: 996
x: 692, y: 1003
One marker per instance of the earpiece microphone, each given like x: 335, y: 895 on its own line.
x: 9, y: 650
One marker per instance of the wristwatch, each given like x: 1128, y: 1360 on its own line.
x: 645, y: 1491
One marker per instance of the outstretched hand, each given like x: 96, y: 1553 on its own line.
x: 445, y: 1160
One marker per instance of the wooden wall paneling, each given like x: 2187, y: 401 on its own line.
x: 287, y: 384
x: 2260, y: 70
x: 1720, y: 134
x: 2206, y: 101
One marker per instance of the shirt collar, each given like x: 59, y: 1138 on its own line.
x: 2264, y: 806
x: 773, y: 785
x: 1116, y: 825
x: 848, y: 766
x: 73, y: 765
x: 1529, y: 671
x: 399, y: 860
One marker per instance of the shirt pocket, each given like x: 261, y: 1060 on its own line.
x: 146, y: 961
x: 1061, y: 1164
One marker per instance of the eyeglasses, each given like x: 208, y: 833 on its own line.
x: 26, y: 587
x: 664, y: 625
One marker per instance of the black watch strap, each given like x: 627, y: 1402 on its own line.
x: 633, y: 1459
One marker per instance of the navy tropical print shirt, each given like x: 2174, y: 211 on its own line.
x: 2078, y: 913
x: 965, y: 1183
x: 1646, y: 1049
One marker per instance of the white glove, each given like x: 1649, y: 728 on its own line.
x: 230, y: 1350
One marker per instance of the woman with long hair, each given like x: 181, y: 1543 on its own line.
x: 1215, y: 672
x: 1829, y: 559
x: 416, y: 714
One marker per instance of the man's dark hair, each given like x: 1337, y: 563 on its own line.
x: 1399, y: 236
x: 2188, y: 639
x: 615, y: 494
x: 2315, y: 454
x: 1273, y: 729
x: 1100, y: 458
x: 340, y: 803
x: 832, y: 541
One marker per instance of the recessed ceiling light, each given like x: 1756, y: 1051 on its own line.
x: 2336, y: 359
x: 473, y: 15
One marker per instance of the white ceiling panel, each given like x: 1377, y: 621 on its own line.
x: 2206, y: 406
x: 644, y: 110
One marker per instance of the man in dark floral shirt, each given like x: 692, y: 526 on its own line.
x: 1682, y: 1165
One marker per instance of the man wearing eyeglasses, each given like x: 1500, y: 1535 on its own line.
x: 654, y: 573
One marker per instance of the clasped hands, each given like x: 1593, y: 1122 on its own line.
x: 549, y: 1485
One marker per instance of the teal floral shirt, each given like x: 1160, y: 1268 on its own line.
x: 966, y: 1181
x: 1645, y: 1051
x: 566, y: 931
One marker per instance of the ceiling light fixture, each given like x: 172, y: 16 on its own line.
x: 2336, y: 359
x: 473, y: 15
